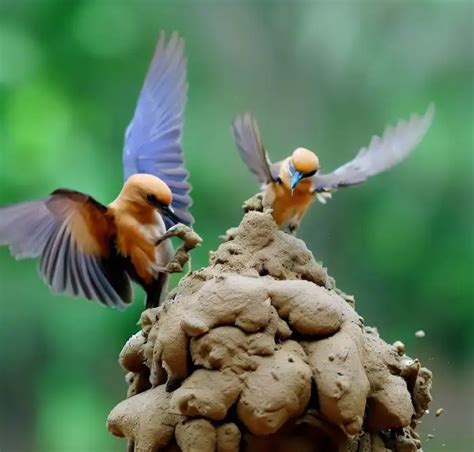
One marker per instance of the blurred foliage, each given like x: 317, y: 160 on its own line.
x: 325, y: 75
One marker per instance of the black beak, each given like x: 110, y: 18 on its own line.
x: 168, y: 212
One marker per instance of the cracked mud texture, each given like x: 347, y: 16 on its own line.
x: 261, y: 352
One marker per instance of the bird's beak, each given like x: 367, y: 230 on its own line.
x: 297, y: 176
x: 165, y: 210
x: 168, y: 212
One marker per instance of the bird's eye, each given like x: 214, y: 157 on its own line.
x: 152, y: 199
x: 312, y: 173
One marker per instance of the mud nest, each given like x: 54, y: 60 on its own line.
x: 260, y: 351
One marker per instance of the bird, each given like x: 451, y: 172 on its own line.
x: 95, y: 251
x: 292, y: 184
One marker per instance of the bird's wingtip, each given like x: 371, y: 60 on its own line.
x: 427, y: 118
x: 174, y: 41
x: 430, y: 111
x: 238, y: 119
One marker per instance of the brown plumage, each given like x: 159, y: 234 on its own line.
x: 290, y: 186
x: 139, y: 225
x: 93, y: 251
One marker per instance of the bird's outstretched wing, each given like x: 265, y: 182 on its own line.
x: 72, y: 234
x: 153, y: 137
x: 249, y: 143
x: 380, y: 155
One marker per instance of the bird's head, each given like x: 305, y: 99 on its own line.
x: 302, y: 163
x: 148, y: 191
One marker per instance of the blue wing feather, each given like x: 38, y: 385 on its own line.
x: 153, y: 138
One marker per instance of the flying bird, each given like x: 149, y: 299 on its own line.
x: 290, y: 186
x: 91, y: 250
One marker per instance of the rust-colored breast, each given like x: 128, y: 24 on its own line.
x: 131, y: 243
x: 135, y: 241
x: 290, y: 207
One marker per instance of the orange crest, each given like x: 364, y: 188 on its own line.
x: 304, y: 160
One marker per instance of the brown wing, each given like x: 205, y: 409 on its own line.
x: 380, y: 155
x: 73, y: 235
x: 249, y: 143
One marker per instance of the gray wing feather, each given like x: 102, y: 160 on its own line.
x: 380, y: 155
x: 249, y: 143
x: 25, y: 228
x: 31, y: 230
x: 153, y: 137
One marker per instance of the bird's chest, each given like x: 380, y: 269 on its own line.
x: 151, y: 231
x: 136, y: 239
x: 289, y: 206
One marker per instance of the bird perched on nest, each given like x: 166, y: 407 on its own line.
x: 289, y: 186
x: 91, y: 250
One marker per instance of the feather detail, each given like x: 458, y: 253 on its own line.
x: 380, y: 155
x: 153, y: 137
x: 73, y: 235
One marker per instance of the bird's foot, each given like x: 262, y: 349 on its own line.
x: 189, y: 237
x: 254, y: 203
x: 179, y: 260
x: 292, y: 228
x: 190, y: 241
x: 323, y: 196
x: 173, y: 266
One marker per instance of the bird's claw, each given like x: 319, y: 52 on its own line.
x: 190, y: 238
x: 323, y: 196
x: 174, y: 267
x: 293, y: 228
x: 171, y: 232
x: 190, y: 241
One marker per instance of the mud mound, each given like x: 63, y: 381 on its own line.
x: 260, y: 351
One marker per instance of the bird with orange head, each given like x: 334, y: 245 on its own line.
x: 94, y: 251
x: 291, y: 185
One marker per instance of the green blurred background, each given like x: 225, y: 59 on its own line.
x: 324, y: 75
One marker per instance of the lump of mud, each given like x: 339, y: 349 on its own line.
x: 260, y: 351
